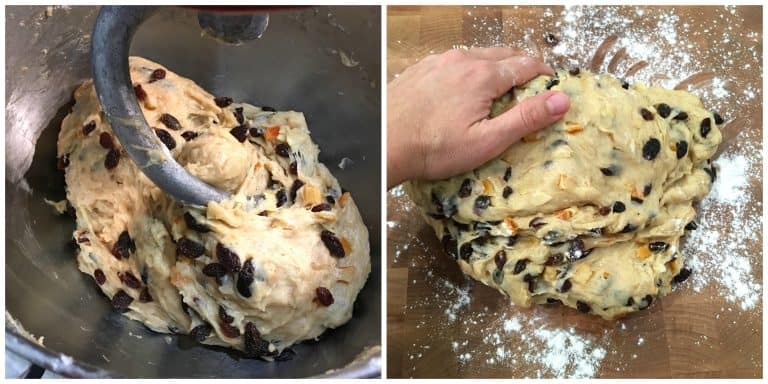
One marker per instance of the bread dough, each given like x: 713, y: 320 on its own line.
x: 590, y: 210
x: 279, y: 262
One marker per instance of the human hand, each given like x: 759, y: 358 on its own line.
x: 437, y: 111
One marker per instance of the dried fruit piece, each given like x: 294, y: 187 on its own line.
x: 254, y: 344
x: 129, y: 280
x: 647, y: 189
x: 552, y: 82
x: 573, y: 127
x: 166, y: 138
x: 566, y: 286
x: 105, y: 140
x: 555, y: 259
x: 574, y: 71
x: 465, y: 252
x: 658, y: 246
x: 297, y: 184
x: 500, y: 259
x: 466, y: 188
x: 189, y: 135
x: 628, y: 228
x: 718, y: 119
x: 682, y: 275
x: 324, y: 296
x: 240, y: 133
x: 583, y: 307
x: 624, y: 84
x: 228, y: 258
x: 648, y: 300
x: 226, y: 318
x: 647, y: 115
x: 630, y: 301
x: 238, y: 112
x: 223, y: 101
x: 140, y: 93
x: 256, y: 132
x: 682, y: 116
x: 280, y: 198
x: 271, y: 133
x: 283, y: 150
x: 245, y: 279
x: 604, y: 211
x: 112, y: 159
x: 507, y: 173
x: 145, y: 296
x: 293, y: 168
x: 511, y: 224
x: 99, y: 276
x: 267, y: 108
x: 194, y: 225
x: 88, y: 128
x: 121, y: 299
x: 169, y: 121
x: 520, y: 266
x: 642, y: 253
x: 681, y: 149
x: 610, y: 170
x: 482, y: 202
x: 692, y: 226
x: 123, y: 246
x: 506, y: 192
x: 705, y: 127
x: 189, y: 248
x: 157, y: 74
x: 651, y: 149
x: 536, y: 222
x: 712, y: 172
x: 200, y: 332
x: 229, y: 330
x: 215, y: 270
x: 663, y: 109
x: 335, y: 248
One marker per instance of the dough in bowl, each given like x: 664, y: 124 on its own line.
x: 589, y: 211
x: 279, y: 262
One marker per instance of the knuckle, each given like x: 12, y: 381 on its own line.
x: 528, y: 115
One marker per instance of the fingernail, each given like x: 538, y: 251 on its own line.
x: 557, y: 104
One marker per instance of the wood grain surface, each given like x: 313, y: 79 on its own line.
x: 685, y: 334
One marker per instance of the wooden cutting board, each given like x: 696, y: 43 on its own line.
x: 442, y: 325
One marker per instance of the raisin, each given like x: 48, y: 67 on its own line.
x: 121, y: 299
x: 140, y: 93
x: 169, y: 121
x: 280, y: 197
x: 692, y: 226
x: 682, y: 116
x: 551, y: 39
x: 229, y: 259
x: 610, y: 170
x: 551, y: 237
x: 226, y: 318
x: 105, y: 140
x: 283, y: 150
x: 145, y: 296
x: 506, y: 192
x: 223, y: 101
x: 189, y: 135
x: 647, y: 189
x: 552, y: 82
x: 245, y: 279
x: 324, y: 296
x: 536, y: 222
x: 712, y: 172
x: 321, y: 207
x: 449, y: 245
x: 628, y: 228
x: 229, y: 330
x: 332, y: 243
x: 112, y: 159
x: 500, y: 259
x: 62, y: 162
x: 297, y: 184
x: 267, y: 108
x: 576, y: 250
x: 240, y: 133
x: 508, y: 174
x: 718, y: 119
x: 157, y: 74
x: 293, y: 168
x: 215, y: 270
x: 482, y: 202
x: 239, y: 115
x: 531, y: 280
x: 624, y: 84
x: 630, y: 301
x: 129, y: 280
x: 254, y: 344
x: 663, y: 109
x: 583, y: 307
x: 681, y: 149
x: 682, y: 276
x: 647, y: 115
x: 574, y: 71
x: 651, y: 149
x: 566, y: 286
x: 189, y: 248
x: 637, y: 200
x: 658, y: 246
x: 705, y: 127
x: 603, y: 211
x: 194, y: 225
x: 555, y: 259
x: 166, y: 138
x: 465, y: 252
x: 520, y: 266
x: 256, y: 132
x: 466, y: 188
x: 648, y: 301
x: 99, y: 276
x: 498, y: 277
x: 122, y: 247
x: 88, y: 128
x: 551, y: 300
x: 200, y: 332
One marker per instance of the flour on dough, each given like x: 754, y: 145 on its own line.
x: 279, y: 262
x: 589, y: 211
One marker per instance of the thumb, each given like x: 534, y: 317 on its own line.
x: 495, y: 135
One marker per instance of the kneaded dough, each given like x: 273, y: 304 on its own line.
x: 279, y: 262
x: 590, y: 210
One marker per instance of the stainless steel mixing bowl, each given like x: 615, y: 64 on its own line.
x: 297, y: 64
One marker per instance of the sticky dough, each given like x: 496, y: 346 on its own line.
x: 590, y: 210
x: 279, y: 262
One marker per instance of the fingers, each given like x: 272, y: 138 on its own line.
x: 492, y: 137
x: 518, y: 70
x: 494, y: 53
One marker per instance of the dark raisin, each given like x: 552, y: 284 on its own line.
x: 551, y: 39
x: 88, y: 128
x: 647, y: 115
x: 663, y: 109
x: 293, y: 168
x: 531, y: 280
x: 637, y: 200
x: 500, y: 259
x: 200, y: 332
x: 705, y: 127
x: 170, y: 121
x: 576, y: 250
x: 506, y: 192
x: 245, y: 279
x: 215, y: 270
x: 692, y: 226
x: 537, y: 222
x: 105, y: 140
x: 628, y: 228
x: 712, y: 172
x: 551, y: 237
x: 498, y: 276
x: 520, y: 266
x: 321, y: 207
x: 145, y: 296
x: 647, y: 189
x: 555, y: 259
x: 189, y: 135
x: 630, y: 302
x: 254, y: 344
x: 256, y: 132
x: 324, y: 296
x: 226, y: 318
x: 129, y: 280
x: 566, y: 286
x: 297, y: 184
x: 466, y: 188
x: 121, y: 299
x: 112, y: 159
x: 239, y: 115
x: 603, y: 211
x: 583, y: 307
x: 449, y: 245
x: 229, y: 259
x: 122, y: 247
x: 283, y: 150
x: 332, y: 243
x: 551, y: 300
x: 62, y: 162
x: 718, y: 119
x: 229, y: 330
x: 189, y: 248
x: 280, y: 197
x: 681, y: 148
x: 624, y: 84
x: 267, y: 108
x: 482, y: 202
x: 658, y: 246
x: 194, y: 225
x: 682, y: 276
x: 651, y: 149
x: 140, y: 93
x: 465, y: 252
x: 223, y: 101
x: 508, y: 174
x: 99, y: 276
x: 240, y: 133
x: 609, y: 171
x: 648, y: 299
x: 682, y: 116
x: 166, y: 138
x: 552, y: 82
x: 574, y: 71
x: 157, y: 74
